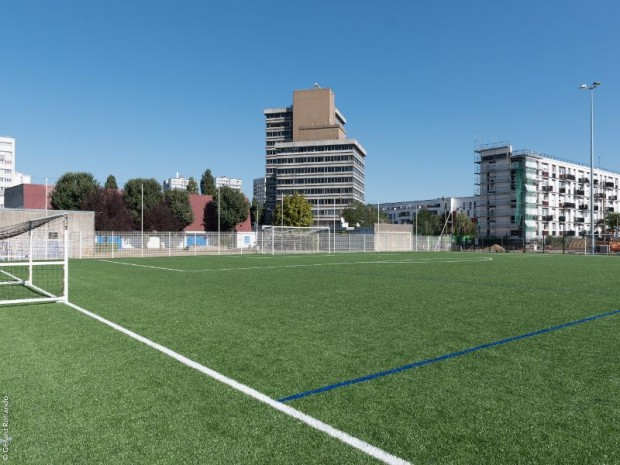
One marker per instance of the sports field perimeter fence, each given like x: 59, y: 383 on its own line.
x: 136, y: 244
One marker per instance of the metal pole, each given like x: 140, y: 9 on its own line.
x: 218, y: 220
x: 416, y: 227
x: 591, y: 89
x: 142, y: 219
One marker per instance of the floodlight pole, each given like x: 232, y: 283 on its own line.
x: 219, y: 197
x: 142, y: 218
x: 591, y: 89
x: 417, y: 207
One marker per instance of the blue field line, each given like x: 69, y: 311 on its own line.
x: 428, y: 361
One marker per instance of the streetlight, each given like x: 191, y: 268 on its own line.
x: 594, y: 85
x: 219, y: 197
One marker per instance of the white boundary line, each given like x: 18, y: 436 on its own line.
x: 423, y: 261
x: 286, y: 409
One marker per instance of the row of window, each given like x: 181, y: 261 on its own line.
x: 315, y: 180
x: 297, y: 160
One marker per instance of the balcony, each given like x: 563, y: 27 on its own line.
x: 609, y: 209
x: 584, y: 180
x: 561, y: 219
x: 567, y: 205
x: 600, y: 195
x: 579, y: 220
x: 570, y: 177
x: 547, y: 188
x: 562, y: 190
x: 547, y: 218
x: 580, y: 192
x: 610, y: 185
x: 545, y: 203
x: 545, y: 174
x: 583, y: 207
x: 612, y: 197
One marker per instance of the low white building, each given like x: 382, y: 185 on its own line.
x: 179, y: 183
x: 222, y: 181
x: 404, y: 212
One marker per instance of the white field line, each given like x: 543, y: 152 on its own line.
x: 286, y: 409
x: 423, y: 261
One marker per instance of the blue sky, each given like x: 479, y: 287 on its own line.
x: 148, y: 88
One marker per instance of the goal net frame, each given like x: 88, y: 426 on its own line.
x: 30, y: 252
x: 295, y: 239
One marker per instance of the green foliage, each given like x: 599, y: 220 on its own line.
x: 132, y: 195
x: 233, y: 209
x: 297, y: 211
x: 207, y: 183
x: 192, y: 186
x: 110, y: 183
x: 111, y: 213
x: 612, y: 221
x: 363, y: 214
x: 464, y: 226
x: 180, y: 208
x: 428, y: 223
x: 72, y: 190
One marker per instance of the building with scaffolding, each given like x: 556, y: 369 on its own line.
x: 528, y: 195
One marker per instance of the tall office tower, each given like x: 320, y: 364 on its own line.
x: 308, y: 153
x: 8, y: 176
x: 528, y: 195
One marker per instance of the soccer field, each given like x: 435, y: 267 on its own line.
x: 427, y: 358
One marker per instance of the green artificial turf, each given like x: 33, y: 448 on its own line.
x: 288, y: 324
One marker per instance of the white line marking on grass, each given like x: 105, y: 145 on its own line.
x: 298, y: 415
x: 422, y: 261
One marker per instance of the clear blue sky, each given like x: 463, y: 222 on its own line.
x: 146, y: 88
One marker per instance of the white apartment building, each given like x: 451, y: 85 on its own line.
x: 233, y: 183
x: 179, y: 182
x: 405, y: 212
x: 8, y: 176
x: 529, y: 195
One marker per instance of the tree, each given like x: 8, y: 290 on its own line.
x: 233, y: 209
x: 463, y: 225
x: 428, y: 223
x: 160, y: 218
x: 132, y: 195
x: 72, y: 190
x: 192, y: 186
x: 111, y: 213
x: 180, y: 208
x: 364, y: 215
x: 613, y: 222
x: 110, y: 183
x: 297, y: 211
x: 207, y: 183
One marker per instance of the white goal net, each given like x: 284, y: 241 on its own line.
x: 290, y: 239
x: 34, y: 261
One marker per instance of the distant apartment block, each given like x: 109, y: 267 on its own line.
x: 8, y: 176
x: 179, y: 183
x: 527, y: 195
x: 405, y: 212
x: 259, y: 190
x: 222, y: 181
x: 307, y: 152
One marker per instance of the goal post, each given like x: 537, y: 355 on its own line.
x: 34, y: 261
x: 292, y: 239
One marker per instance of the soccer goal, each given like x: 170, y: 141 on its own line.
x: 290, y: 239
x: 34, y: 261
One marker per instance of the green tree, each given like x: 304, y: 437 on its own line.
x: 207, y: 183
x: 233, y: 209
x: 297, y: 211
x: 613, y: 222
x: 192, y: 186
x: 110, y: 183
x: 464, y: 226
x: 132, y: 195
x: 180, y: 208
x: 72, y: 190
x: 363, y: 214
x: 428, y: 223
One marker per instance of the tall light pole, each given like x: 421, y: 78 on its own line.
x: 219, y: 198
x: 142, y: 219
x: 591, y: 88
